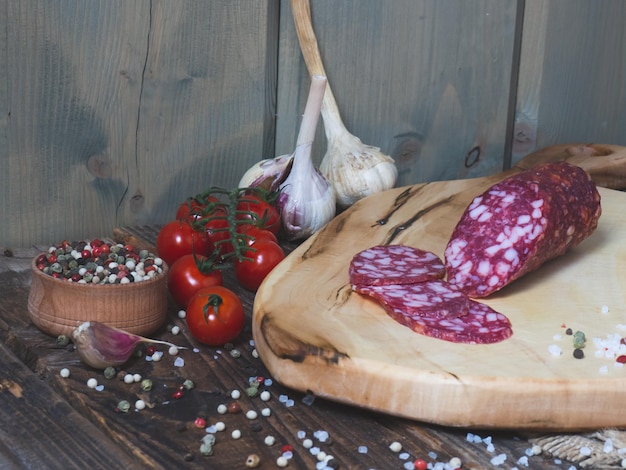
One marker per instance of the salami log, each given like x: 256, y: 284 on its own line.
x: 394, y: 264
x: 434, y: 299
x: 520, y: 223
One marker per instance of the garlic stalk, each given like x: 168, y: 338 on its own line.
x: 355, y: 170
x: 306, y: 200
x: 100, y: 345
x: 267, y: 174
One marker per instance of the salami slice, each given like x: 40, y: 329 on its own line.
x: 482, y: 325
x: 433, y: 299
x: 394, y: 264
x: 519, y: 224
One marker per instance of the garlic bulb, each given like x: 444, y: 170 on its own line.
x: 354, y: 169
x: 306, y: 200
x: 100, y: 345
x: 267, y: 174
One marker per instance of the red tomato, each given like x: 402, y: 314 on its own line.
x: 178, y: 238
x: 250, y: 233
x: 215, y: 316
x: 216, y: 225
x: 264, y: 256
x: 188, y: 275
x: 262, y: 213
x: 195, y: 208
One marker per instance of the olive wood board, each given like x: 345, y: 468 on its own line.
x: 314, y: 334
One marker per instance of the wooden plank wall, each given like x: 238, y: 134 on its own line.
x: 112, y: 112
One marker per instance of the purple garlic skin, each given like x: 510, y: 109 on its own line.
x: 101, y: 346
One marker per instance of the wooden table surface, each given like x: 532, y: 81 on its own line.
x: 47, y: 421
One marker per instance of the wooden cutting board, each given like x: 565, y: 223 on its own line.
x: 314, y: 334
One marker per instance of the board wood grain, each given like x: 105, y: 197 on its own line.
x: 314, y: 333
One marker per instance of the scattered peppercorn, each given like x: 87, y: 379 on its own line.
x: 109, y: 373
x: 63, y: 340
x: 234, y: 407
x: 253, y: 461
x: 123, y: 406
x: 579, y: 339
x: 579, y: 353
x: 569, y: 332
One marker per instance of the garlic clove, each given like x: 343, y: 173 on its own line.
x: 100, y: 345
x: 267, y: 174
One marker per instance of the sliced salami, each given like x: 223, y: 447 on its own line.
x: 519, y: 224
x: 394, y: 264
x: 434, y: 299
x: 482, y: 325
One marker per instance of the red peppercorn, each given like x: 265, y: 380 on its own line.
x: 260, y: 380
x: 420, y: 464
x: 621, y: 359
x: 150, y: 350
x: 200, y: 423
x: 234, y: 407
x: 178, y: 394
x: 85, y: 254
x: 286, y: 448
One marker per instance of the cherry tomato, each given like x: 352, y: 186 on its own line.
x: 250, y: 233
x: 195, y: 208
x: 215, y: 316
x: 216, y: 225
x: 262, y: 213
x: 178, y: 238
x: 188, y: 275
x: 263, y: 257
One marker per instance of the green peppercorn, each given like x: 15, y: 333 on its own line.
x: 146, y: 385
x: 252, y: 391
x: 235, y: 353
x: 188, y: 384
x: 206, y: 448
x: 123, y: 406
x: 579, y: 339
x: 63, y: 340
x: 110, y: 372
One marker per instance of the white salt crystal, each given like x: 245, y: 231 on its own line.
x: 585, y: 451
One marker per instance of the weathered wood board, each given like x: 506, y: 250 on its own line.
x: 314, y: 333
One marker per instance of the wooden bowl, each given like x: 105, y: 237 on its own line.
x: 57, y: 306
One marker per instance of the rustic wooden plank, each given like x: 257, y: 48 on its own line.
x: 572, y: 83
x: 114, y: 111
x: 426, y: 81
x: 163, y: 435
x: 47, y: 432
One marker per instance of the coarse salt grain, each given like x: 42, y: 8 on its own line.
x: 269, y: 441
x: 604, y: 309
x: 65, y: 372
x: 554, y: 350
x: 584, y: 450
x: 182, y: 314
x: 92, y: 383
x: 179, y: 362
x: 362, y: 449
x: 498, y: 459
x: 175, y: 330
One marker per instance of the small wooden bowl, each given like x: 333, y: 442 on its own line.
x: 57, y: 306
